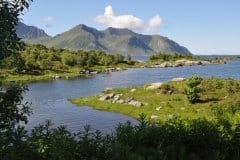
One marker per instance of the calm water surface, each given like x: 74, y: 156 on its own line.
x: 49, y: 99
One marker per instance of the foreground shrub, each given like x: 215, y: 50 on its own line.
x: 176, y: 139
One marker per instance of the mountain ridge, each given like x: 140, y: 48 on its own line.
x: 112, y: 40
x: 31, y: 33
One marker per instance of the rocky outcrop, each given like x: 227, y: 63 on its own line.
x: 177, y: 79
x: 182, y: 62
x: 107, y: 89
x: 88, y: 72
x: 135, y: 103
x: 154, y: 116
x: 106, y: 97
x: 153, y: 86
x: 117, y: 98
x: 113, y: 69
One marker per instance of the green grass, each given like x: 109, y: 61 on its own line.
x: 214, y: 95
x: 46, y: 75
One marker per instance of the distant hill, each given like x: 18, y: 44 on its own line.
x: 112, y: 40
x: 31, y: 33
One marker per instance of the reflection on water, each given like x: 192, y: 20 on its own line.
x: 49, y: 99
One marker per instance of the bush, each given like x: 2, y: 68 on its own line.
x: 192, y: 91
x: 175, y: 139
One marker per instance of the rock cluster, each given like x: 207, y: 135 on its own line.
x: 117, y: 98
x: 92, y: 72
x: 179, y: 63
x: 113, y: 69
x: 87, y: 72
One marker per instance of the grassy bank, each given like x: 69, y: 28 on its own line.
x: 218, y: 96
x: 74, y: 72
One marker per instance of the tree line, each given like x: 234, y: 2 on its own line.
x: 41, y: 58
x: 169, y: 56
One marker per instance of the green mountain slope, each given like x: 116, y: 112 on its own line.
x: 113, y: 40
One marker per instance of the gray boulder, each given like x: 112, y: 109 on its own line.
x: 135, y: 103
x: 154, y: 116
x: 178, y: 79
x: 106, y: 97
x: 153, y: 86
x: 120, y: 101
x: 129, y: 99
x: 117, y: 97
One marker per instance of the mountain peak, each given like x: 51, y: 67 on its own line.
x: 30, y: 32
x: 82, y: 26
x: 87, y: 29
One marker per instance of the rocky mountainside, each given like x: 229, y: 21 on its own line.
x: 31, y: 33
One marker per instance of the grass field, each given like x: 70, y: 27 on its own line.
x: 218, y: 96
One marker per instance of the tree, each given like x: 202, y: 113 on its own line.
x: 129, y: 58
x: 10, y: 11
x: 12, y: 110
x: 192, y: 91
x: 12, y: 114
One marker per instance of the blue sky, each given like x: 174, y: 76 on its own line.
x: 203, y: 26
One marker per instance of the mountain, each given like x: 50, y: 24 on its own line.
x: 80, y: 37
x: 112, y: 40
x: 31, y: 33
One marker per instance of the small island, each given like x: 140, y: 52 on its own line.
x: 164, y: 60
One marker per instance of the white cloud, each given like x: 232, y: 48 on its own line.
x: 109, y: 11
x: 122, y: 21
x: 109, y: 19
x: 154, y: 24
x: 48, y: 19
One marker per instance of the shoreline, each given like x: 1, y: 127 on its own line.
x: 28, y: 78
x: 69, y: 74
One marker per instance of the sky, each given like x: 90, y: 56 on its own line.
x: 203, y: 26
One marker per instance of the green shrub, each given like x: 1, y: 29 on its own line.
x: 192, y: 91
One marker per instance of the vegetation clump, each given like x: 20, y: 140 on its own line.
x: 192, y: 91
x: 169, y: 56
x: 38, y: 62
x: 40, y: 58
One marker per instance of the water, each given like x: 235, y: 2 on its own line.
x: 49, y: 99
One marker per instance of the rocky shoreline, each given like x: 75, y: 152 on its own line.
x: 90, y: 72
x: 185, y: 62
